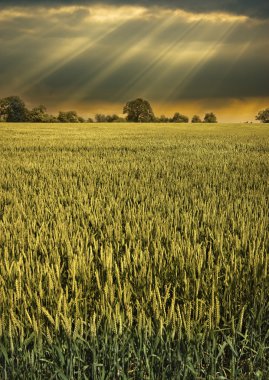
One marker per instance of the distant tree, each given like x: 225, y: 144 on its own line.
x: 210, y: 117
x: 179, y: 118
x: 196, y: 119
x: 54, y: 119
x: 120, y: 120
x: 109, y: 118
x: 13, y: 109
x: 90, y: 120
x: 100, y: 118
x: 112, y: 118
x: 39, y: 115
x: 163, y: 119
x: 139, y: 111
x: 68, y: 117
x: 263, y: 116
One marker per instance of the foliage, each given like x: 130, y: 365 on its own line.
x: 139, y: 111
x: 162, y: 119
x: 112, y: 118
x: 69, y: 117
x: 13, y: 109
x: 263, y: 116
x: 196, y: 119
x: 39, y: 115
x: 210, y: 117
x: 179, y: 118
x: 101, y: 118
x: 129, y: 254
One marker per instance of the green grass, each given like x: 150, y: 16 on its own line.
x: 134, y: 251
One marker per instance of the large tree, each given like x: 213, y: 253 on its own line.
x: 263, y: 116
x: 139, y: 111
x: 13, y: 109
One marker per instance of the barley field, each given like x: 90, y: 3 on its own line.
x: 134, y: 251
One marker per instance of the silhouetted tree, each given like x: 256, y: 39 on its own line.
x: 139, y: 111
x: 120, y: 120
x: 112, y: 118
x: 210, y: 117
x: 13, y: 109
x: 179, y: 118
x: 163, y: 119
x: 263, y: 116
x: 196, y: 119
x: 69, y: 117
x: 100, y: 118
x: 39, y: 115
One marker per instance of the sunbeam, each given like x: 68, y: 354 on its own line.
x: 209, y: 52
x: 157, y: 60
x: 130, y: 48
x: 62, y: 60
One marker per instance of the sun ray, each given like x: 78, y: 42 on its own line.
x: 118, y: 17
x: 208, y: 53
x: 178, y: 54
x: 76, y: 50
x: 124, y: 54
x: 158, y: 59
x: 175, y: 55
x: 225, y: 74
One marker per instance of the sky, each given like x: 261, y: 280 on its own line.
x: 187, y: 56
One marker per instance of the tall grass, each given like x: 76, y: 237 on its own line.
x: 134, y: 252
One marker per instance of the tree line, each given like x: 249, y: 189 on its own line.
x: 13, y: 109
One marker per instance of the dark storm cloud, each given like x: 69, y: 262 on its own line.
x: 252, y: 8
x: 231, y: 71
x: 223, y: 78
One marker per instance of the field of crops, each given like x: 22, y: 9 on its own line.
x: 134, y: 251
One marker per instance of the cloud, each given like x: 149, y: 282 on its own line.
x: 124, y: 64
x: 78, y: 55
x: 256, y: 9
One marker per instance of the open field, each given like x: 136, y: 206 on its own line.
x: 134, y: 251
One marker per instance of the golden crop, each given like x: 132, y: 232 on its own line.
x: 159, y: 229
